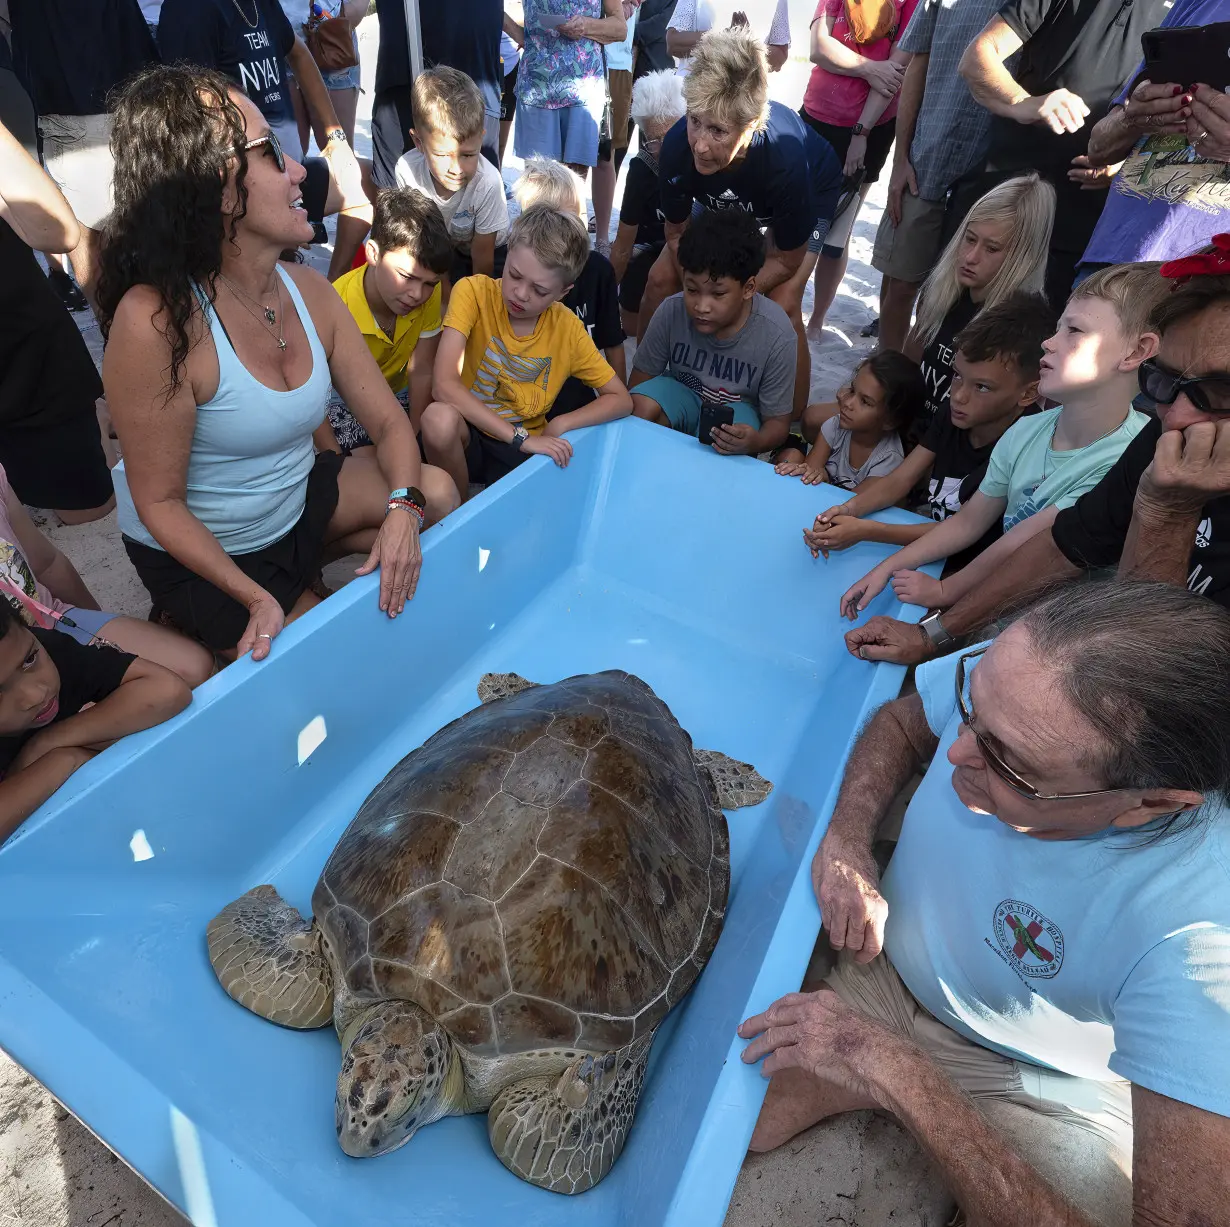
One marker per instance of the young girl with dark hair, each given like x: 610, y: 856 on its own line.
x: 862, y: 441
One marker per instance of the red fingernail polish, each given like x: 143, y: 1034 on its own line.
x: 1178, y: 89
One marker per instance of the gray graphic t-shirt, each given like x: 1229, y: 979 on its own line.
x: 756, y: 365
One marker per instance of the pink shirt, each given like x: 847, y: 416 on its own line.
x: 14, y: 569
x: 838, y: 100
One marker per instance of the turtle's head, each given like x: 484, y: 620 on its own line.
x: 399, y: 1072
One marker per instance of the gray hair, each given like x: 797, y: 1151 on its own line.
x: 1148, y: 666
x: 657, y: 98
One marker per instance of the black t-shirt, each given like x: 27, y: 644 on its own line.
x: 936, y: 363
x: 789, y: 178
x: 1089, y: 47
x: 47, y: 376
x: 956, y: 474
x: 87, y: 675
x: 463, y: 34
x: 595, y: 300
x: 218, y: 34
x: 642, y: 203
x: 1091, y: 533
x: 69, y: 54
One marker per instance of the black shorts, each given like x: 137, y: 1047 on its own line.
x: 61, y: 467
x: 489, y: 459
x: 284, y: 568
x: 315, y: 188
x: 632, y: 285
x: 879, y: 142
x: 508, y: 99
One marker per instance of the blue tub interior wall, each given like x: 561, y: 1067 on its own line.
x: 648, y: 554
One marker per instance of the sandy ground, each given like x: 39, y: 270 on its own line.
x: 860, y: 1171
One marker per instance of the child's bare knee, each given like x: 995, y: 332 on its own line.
x: 440, y: 425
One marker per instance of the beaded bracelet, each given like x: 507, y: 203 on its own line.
x: 406, y: 505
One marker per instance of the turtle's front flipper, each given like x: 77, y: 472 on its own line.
x: 563, y: 1133
x: 492, y: 686
x: 738, y: 784
x: 269, y: 959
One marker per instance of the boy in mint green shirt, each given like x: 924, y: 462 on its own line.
x: 1046, y: 461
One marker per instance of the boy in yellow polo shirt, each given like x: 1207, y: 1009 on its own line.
x: 395, y: 300
x: 507, y: 348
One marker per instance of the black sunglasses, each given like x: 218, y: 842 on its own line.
x: 1208, y: 393
x: 275, y: 147
x: 1019, y: 785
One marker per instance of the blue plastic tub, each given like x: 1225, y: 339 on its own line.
x: 649, y: 553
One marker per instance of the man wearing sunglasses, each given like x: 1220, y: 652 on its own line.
x: 1162, y: 512
x: 1037, y: 989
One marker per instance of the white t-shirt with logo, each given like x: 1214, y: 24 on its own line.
x: 479, y: 208
x: 1100, y: 957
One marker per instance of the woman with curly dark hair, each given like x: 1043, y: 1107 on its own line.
x: 217, y: 370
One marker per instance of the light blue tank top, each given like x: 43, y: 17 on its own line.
x: 251, y: 449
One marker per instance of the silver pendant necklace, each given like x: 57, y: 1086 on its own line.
x: 270, y: 315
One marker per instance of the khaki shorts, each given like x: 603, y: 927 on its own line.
x: 619, y: 82
x: 77, y: 155
x: 909, y: 251
x: 1076, y: 1132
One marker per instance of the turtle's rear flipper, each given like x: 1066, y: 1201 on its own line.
x: 492, y: 686
x: 564, y: 1132
x: 269, y: 959
x: 738, y: 784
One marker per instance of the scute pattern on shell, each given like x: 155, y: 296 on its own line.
x: 551, y: 868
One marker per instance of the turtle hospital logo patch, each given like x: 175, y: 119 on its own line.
x: 1031, y: 944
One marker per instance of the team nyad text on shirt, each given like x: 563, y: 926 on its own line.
x: 716, y: 365
x: 261, y: 78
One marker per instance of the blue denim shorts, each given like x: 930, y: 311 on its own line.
x: 88, y: 623
x: 567, y: 134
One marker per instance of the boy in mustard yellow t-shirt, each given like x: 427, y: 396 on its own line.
x: 506, y: 350
x: 395, y: 299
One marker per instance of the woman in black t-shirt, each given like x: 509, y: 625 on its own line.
x: 657, y: 105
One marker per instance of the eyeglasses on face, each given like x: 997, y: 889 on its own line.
x: 1021, y: 786
x: 275, y: 147
x: 1208, y: 393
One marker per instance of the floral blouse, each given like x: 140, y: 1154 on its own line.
x: 557, y: 71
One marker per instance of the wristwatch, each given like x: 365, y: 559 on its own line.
x: 935, y: 631
x: 335, y: 134
x: 412, y: 494
x: 520, y: 434
x: 858, y: 130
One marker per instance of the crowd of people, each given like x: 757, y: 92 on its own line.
x: 1036, y: 987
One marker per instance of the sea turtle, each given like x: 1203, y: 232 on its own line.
x: 505, y: 923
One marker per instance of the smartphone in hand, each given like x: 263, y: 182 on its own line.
x: 711, y: 416
x: 1187, y: 55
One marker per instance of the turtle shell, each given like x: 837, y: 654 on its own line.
x: 551, y: 869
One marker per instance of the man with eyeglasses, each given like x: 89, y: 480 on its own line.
x: 1038, y: 987
x: 1162, y: 512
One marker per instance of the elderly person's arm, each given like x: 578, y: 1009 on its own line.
x: 157, y: 435
x: 1189, y: 469
x: 984, y: 68
x: 1038, y: 565
x: 1151, y: 109
x: 611, y: 27
x: 873, y: 108
x: 896, y: 744
x: 31, y: 203
x: 1177, y: 1173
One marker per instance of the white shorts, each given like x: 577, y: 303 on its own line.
x: 77, y: 155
